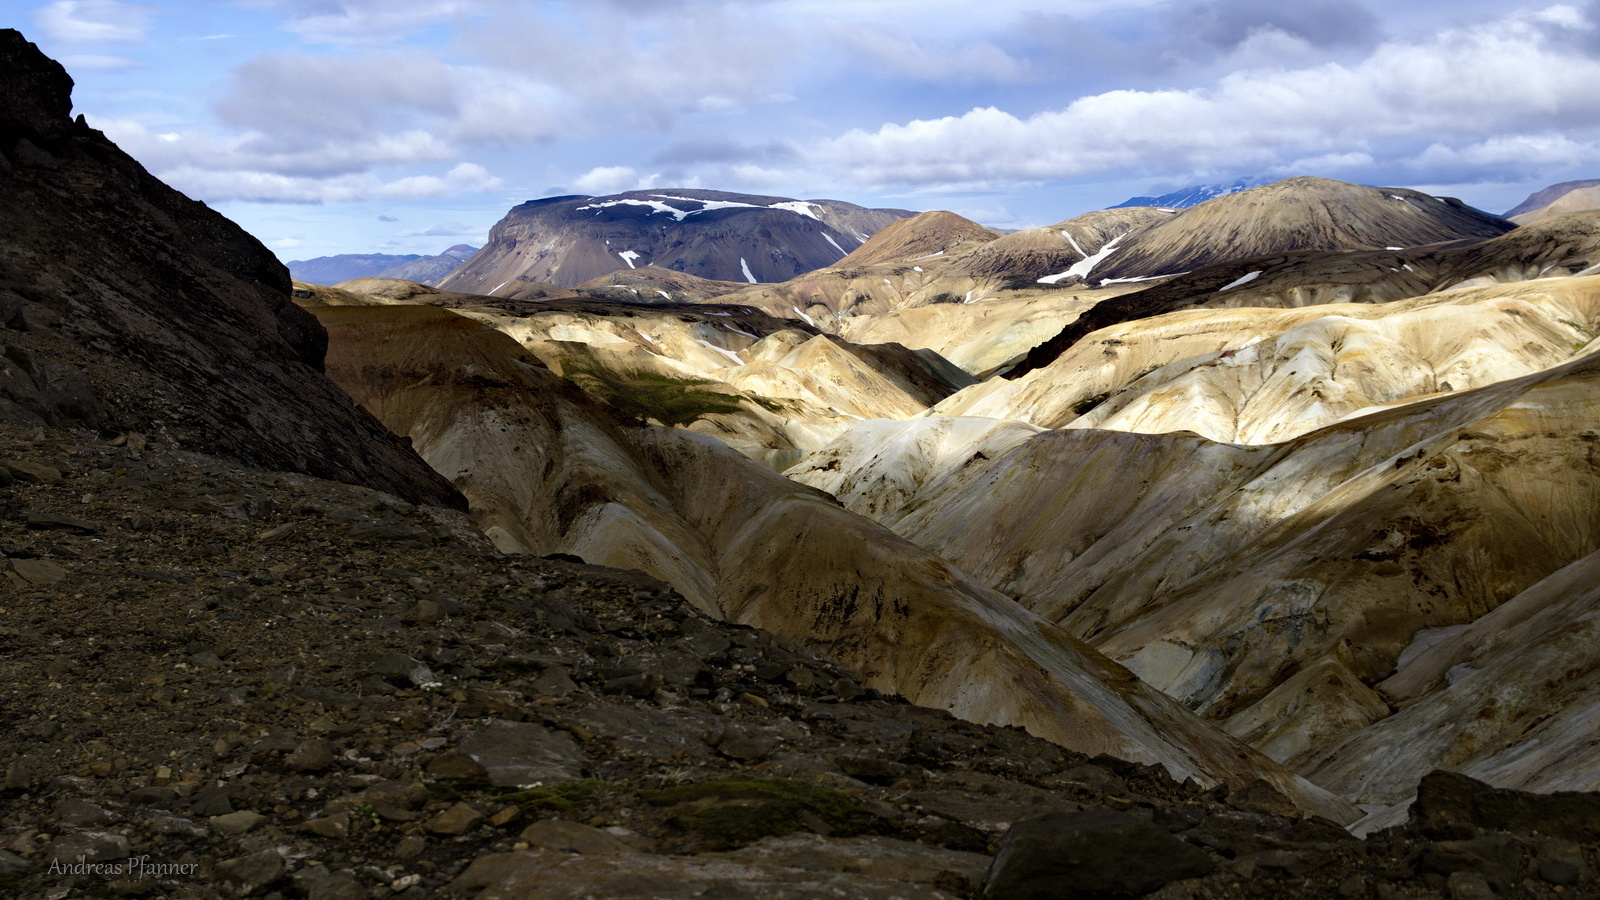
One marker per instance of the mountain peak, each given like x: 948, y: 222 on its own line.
x: 1193, y: 195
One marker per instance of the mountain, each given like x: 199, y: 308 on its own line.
x: 1183, y: 198
x: 429, y: 269
x: 1562, y: 246
x: 1295, y: 214
x: 331, y: 270
x: 1542, y: 198
x: 939, y: 282
x: 709, y: 234
x: 133, y: 308
x: 1580, y: 196
x: 334, y: 269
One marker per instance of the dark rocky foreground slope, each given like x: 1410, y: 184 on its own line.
x: 125, y: 305
x: 275, y: 686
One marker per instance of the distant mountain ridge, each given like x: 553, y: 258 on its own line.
x: 1542, y: 198
x: 1193, y: 195
x: 329, y: 270
x: 718, y: 235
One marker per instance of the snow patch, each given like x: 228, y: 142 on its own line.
x: 1068, y: 235
x: 503, y: 284
x: 1106, y: 281
x: 656, y: 205
x: 1243, y: 279
x: 665, y: 294
x: 835, y: 244
x: 801, y: 207
x: 710, y: 346
x: 628, y: 256
x: 804, y: 316
x: 929, y: 256
x: 746, y: 267
x: 916, y: 268
x: 1083, y: 267
x: 745, y: 333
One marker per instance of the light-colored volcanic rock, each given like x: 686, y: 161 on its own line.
x: 877, y: 466
x: 549, y: 469
x: 1554, y: 248
x: 924, y: 236
x: 654, y: 284
x: 1262, y: 375
x: 1509, y: 699
x: 712, y: 234
x: 935, y: 282
x: 768, y: 387
x: 1220, y: 572
x: 1295, y: 214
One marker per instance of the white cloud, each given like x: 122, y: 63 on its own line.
x: 365, y: 21
x: 78, y: 61
x: 1327, y: 163
x: 92, y: 21
x: 1528, y: 153
x: 444, y: 229
x: 1503, y: 78
x: 612, y: 180
x: 651, y: 65
x: 215, y: 170
x: 270, y: 187
x: 903, y: 55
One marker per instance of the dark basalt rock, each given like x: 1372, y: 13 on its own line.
x: 129, y: 306
x: 1089, y: 856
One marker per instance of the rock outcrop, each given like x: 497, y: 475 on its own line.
x: 132, y: 307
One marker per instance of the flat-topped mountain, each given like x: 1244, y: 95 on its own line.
x: 711, y: 234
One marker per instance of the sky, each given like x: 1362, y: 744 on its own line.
x: 407, y: 126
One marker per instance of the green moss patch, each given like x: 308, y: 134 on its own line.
x: 563, y: 797
x: 652, y: 395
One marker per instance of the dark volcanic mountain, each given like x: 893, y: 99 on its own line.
x: 129, y: 307
x: 711, y: 234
